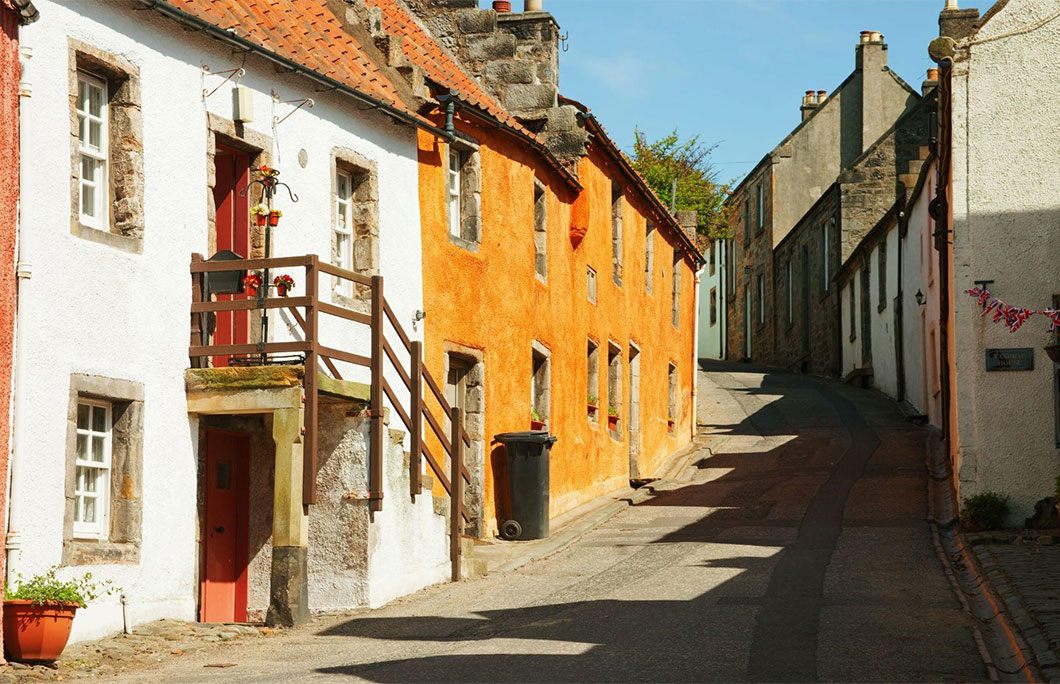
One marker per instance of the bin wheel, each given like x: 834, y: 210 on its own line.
x: 511, y: 529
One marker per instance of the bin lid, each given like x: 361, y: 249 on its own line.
x: 529, y: 436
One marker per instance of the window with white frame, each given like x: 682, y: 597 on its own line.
x: 826, y: 255
x: 453, y: 192
x: 343, y: 231
x: 761, y: 294
x: 92, y: 470
x: 92, y: 124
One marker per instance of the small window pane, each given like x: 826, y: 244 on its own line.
x: 82, y: 94
x: 82, y: 416
x: 82, y: 447
x: 97, y: 449
x: 95, y: 134
x: 90, y: 510
x: 99, y: 419
x: 95, y: 101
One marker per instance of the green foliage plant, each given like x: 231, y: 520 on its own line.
x: 534, y: 415
x: 49, y: 589
x: 984, y: 511
x: 612, y: 411
x: 592, y: 398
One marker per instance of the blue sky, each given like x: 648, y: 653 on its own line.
x: 733, y: 71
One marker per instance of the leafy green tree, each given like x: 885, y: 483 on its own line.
x: 688, y: 161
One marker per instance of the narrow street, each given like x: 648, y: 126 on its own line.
x: 798, y: 550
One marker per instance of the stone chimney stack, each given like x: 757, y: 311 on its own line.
x: 957, y: 23
x: 809, y: 104
x: 871, y: 65
x: 931, y: 82
x: 688, y: 219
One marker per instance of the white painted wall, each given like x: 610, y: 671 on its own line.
x: 850, y: 349
x: 1006, y: 211
x: 93, y: 309
x: 882, y: 338
x: 710, y: 339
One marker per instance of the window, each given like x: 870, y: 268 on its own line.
x: 649, y: 254
x: 676, y: 279
x: 540, y: 391
x: 730, y: 266
x: 712, y: 257
x: 107, y: 148
x: 826, y: 254
x: 343, y: 247
x: 452, y: 187
x: 746, y: 221
x: 760, y: 208
x: 671, y: 405
x: 853, y: 311
x: 592, y: 380
x: 92, y: 123
x: 463, y: 193
x: 760, y: 293
x: 92, y: 470
x: 789, y: 285
x: 616, y: 232
x: 713, y: 306
x: 614, y: 382
x: 540, y: 232
x: 590, y: 283
x: 881, y: 262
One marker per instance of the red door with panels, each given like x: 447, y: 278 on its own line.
x: 232, y: 232
x: 225, y: 521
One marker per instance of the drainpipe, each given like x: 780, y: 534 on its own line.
x: 23, y: 270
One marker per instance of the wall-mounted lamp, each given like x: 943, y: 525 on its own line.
x: 920, y: 298
x: 417, y: 316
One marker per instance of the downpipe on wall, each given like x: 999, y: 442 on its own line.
x: 23, y: 272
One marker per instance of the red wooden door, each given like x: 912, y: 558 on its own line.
x: 224, y: 572
x: 232, y: 231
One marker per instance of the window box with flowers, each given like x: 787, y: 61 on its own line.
x: 284, y: 284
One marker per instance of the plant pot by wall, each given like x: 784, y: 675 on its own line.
x: 612, y: 422
x: 35, y: 633
x: 281, y: 290
x: 261, y: 219
x: 537, y: 425
x: 274, y: 219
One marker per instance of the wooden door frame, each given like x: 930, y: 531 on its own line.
x: 242, y: 517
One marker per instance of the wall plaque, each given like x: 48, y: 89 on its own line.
x: 1020, y: 359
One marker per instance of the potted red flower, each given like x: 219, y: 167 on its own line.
x: 251, y: 283
x: 612, y: 417
x: 274, y: 217
x: 260, y: 212
x: 670, y: 424
x: 284, y: 284
x: 39, y: 613
x: 536, y: 423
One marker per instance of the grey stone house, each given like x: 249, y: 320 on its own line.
x: 835, y: 132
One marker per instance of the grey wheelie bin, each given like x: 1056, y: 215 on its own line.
x: 528, y: 454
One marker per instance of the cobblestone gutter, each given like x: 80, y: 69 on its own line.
x: 145, y: 647
x: 1006, y: 651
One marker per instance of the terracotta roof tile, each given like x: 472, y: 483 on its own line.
x: 304, y: 31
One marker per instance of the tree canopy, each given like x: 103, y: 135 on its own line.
x: 688, y: 161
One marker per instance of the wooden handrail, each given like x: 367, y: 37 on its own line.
x: 229, y: 349
x: 343, y: 312
x: 348, y: 357
x: 332, y: 269
x: 392, y: 355
x: 250, y: 304
x: 249, y: 264
x: 398, y: 409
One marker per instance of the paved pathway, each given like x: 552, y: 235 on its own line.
x: 796, y: 550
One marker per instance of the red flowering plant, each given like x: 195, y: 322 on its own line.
x: 251, y: 282
x: 284, y: 284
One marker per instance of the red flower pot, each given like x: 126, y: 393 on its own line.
x: 281, y: 290
x: 260, y: 219
x: 537, y: 425
x: 670, y: 425
x: 502, y: 5
x: 36, y: 633
x: 274, y: 218
x: 593, y: 409
x: 612, y: 422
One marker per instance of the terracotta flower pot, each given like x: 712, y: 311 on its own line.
x: 612, y: 422
x: 537, y: 425
x: 281, y: 290
x: 670, y: 425
x: 260, y: 219
x: 36, y: 633
x: 593, y: 408
x: 502, y: 5
x: 274, y: 218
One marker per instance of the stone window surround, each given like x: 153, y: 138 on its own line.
x: 540, y: 231
x: 365, y: 222
x: 542, y: 398
x: 475, y: 427
x: 125, y: 168
x: 614, y: 384
x: 672, y: 389
x: 592, y: 377
x: 470, y: 197
x: 616, y: 232
x: 126, y: 482
x: 760, y: 208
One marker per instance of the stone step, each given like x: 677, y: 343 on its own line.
x: 915, y: 166
x: 925, y: 151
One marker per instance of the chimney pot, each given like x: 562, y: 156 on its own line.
x: 822, y: 95
x: 951, y: 5
x: 866, y: 36
x: 502, y: 6
x: 877, y: 37
x: 532, y: 6
x: 932, y: 74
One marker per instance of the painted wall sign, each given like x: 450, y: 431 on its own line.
x: 1010, y: 359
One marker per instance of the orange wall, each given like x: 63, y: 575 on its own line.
x: 491, y: 301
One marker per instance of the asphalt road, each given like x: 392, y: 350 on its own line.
x: 796, y: 550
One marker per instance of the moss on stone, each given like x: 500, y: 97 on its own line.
x: 234, y: 378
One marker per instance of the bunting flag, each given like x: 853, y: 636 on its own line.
x: 1013, y: 317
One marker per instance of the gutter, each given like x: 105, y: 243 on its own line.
x: 245, y: 45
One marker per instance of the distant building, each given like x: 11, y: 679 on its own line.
x: 712, y: 310
x: 836, y: 131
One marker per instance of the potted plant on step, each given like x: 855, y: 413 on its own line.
x: 260, y: 212
x: 612, y: 417
x: 536, y: 423
x: 284, y: 284
x: 594, y: 405
x: 38, y: 614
